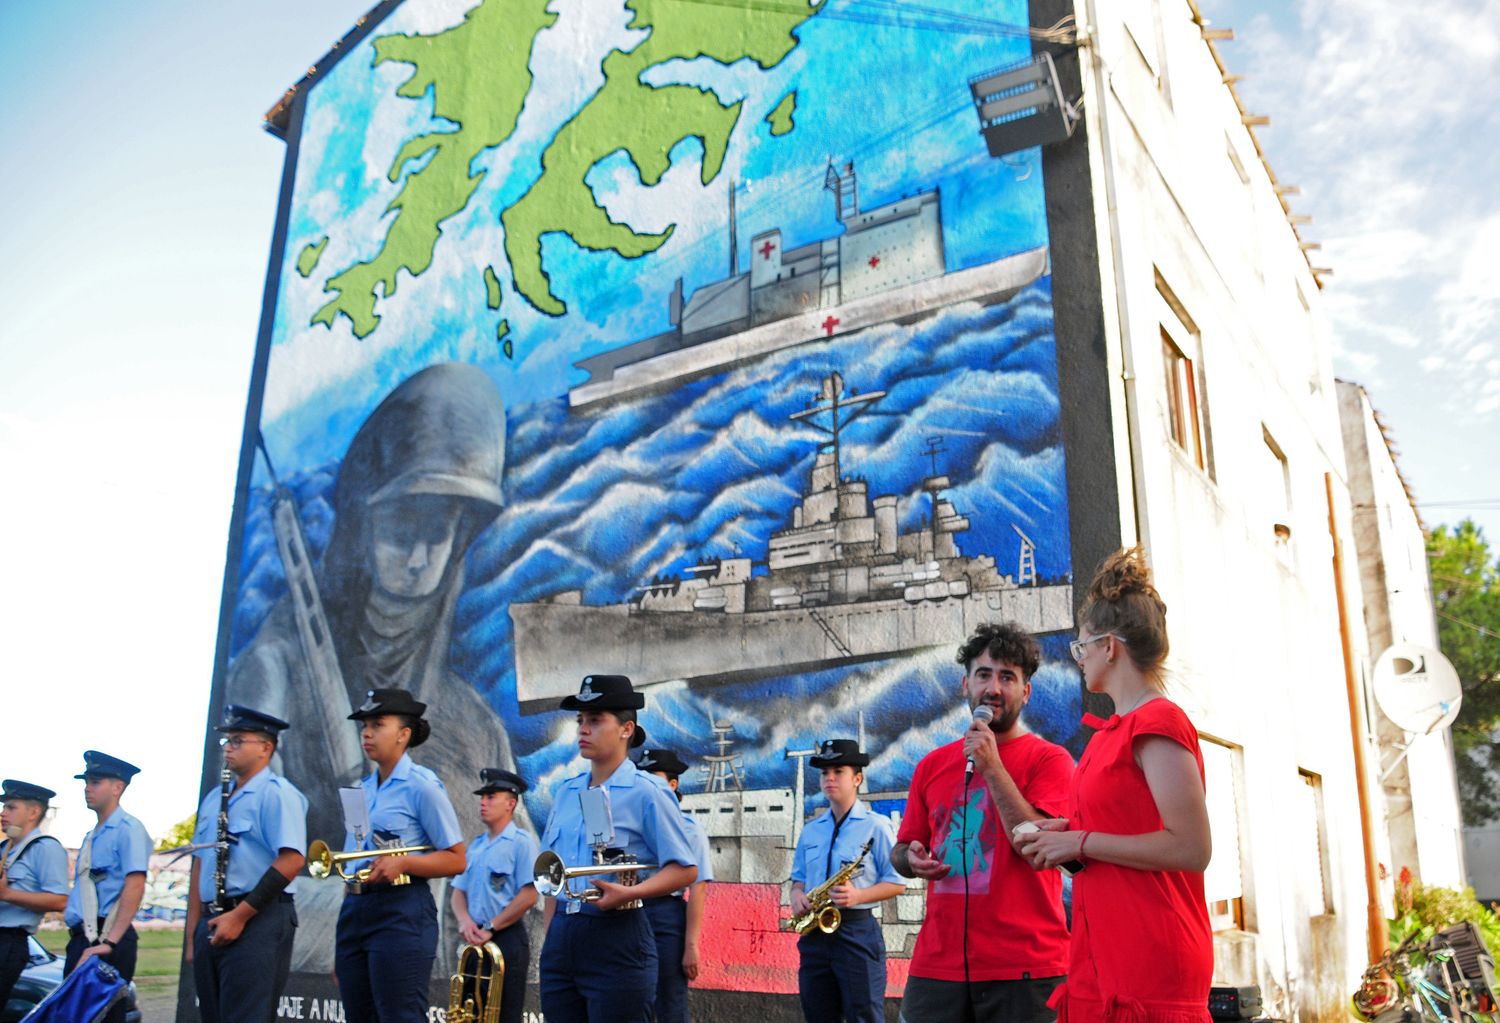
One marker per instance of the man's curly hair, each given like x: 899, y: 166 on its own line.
x: 1005, y: 642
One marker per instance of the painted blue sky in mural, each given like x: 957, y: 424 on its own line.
x: 866, y: 92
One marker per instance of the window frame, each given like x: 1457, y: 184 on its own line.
x: 1186, y: 386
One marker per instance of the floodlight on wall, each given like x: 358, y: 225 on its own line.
x: 1021, y: 105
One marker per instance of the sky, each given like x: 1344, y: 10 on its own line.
x: 1385, y: 115
x: 138, y: 201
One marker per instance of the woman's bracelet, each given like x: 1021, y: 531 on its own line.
x: 1082, y: 842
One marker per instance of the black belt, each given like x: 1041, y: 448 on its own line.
x: 366, y: 888
x: 230, y: 901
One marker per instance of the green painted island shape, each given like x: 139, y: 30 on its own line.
x: 484, y: 98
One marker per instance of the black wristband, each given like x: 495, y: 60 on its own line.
x: 267, y: 889
x: 106, y: 941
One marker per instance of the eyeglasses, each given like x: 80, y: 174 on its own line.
x: 236, y: 741
x: 1079, y: 646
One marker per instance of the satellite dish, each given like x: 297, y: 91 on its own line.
x: 1417, y: 688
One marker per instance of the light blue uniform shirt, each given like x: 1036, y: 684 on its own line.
x: 497, y: 869
x: 41, y: 867
x: 121, y: 847
x: 648, y: 824
x: 812, y: 864
x: 699, y: 839
x: 411, y: 808
x: 266, y: 815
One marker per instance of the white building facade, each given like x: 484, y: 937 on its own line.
x: 1233, y: 473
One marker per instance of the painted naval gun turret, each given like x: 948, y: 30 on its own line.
x: 886, y: 264
x: 843, y: 583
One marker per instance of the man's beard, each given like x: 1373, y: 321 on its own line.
x: 1004, y: 720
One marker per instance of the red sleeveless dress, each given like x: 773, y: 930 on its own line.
x: 1142, y: 949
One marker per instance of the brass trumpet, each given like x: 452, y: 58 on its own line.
x: 323, y: 861
x: 552, y: 876
x: 483, y: 1006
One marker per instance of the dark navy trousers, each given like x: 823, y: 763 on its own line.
x: 383, y: 952
x: 842, y: 975
x: 599, y: 967
x: 122, y: 959
x: 15, y: 953
x: 242, y: 982
x: 515, y: 946
x: 668, y: 918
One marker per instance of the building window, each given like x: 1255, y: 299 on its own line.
x: 1239, y: 168
x: 1223, y: 881
x: 1309, y: 836
x: 1182, y: 399
x: 1186, y: 399
x: 1275, y: 486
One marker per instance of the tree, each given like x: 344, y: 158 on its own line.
x: 1466, y: 595
x: 179, y: 834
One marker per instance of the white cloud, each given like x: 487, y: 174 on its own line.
x: 1380, y: 112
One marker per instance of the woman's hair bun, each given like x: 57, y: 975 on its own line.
x: 1122, y: 573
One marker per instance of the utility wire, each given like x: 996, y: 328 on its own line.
x: 1487, y: 633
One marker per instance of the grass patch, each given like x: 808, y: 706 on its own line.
x: 159, y: 955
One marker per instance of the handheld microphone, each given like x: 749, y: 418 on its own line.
x: 983, y: 714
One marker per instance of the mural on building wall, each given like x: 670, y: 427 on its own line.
x: 706, y: 344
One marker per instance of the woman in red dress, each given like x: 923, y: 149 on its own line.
x: 1142, y: 950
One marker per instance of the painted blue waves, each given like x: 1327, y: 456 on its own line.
x: 602, y: 500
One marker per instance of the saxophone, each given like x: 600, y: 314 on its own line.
x: 823, y: 915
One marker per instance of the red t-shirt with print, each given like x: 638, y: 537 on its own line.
x: 1015, y: 913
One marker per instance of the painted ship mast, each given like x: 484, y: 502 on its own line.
x: 722, y: 769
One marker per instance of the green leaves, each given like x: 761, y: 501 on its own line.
x: 1466, y: 596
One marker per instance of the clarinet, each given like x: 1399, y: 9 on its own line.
x: 221, y: 847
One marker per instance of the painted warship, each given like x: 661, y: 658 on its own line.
x: 886, y: 265
x: 842, y: 584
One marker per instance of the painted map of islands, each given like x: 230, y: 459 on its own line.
x: 484, y: 100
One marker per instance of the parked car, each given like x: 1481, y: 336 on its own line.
x: 43, y: 973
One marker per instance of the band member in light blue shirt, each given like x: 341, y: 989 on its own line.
x: 109, y: 876
x: 677, y: 919
x: 842, y: 975
x: 33, y: 875
x: 388, y: 930
x: 599, y: 961
x: 240, y: 943
x: 491, y: 898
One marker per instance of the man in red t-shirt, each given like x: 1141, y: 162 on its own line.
x: 994, y: 943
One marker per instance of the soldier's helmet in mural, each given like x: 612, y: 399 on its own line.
x: 419, y: 482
